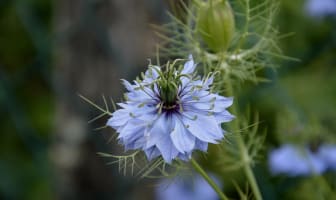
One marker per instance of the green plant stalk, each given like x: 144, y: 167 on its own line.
x: 199, y: 169
x: 242, y: 149
x: 321, y: 182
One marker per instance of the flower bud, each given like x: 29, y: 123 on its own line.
x: 215, y: 24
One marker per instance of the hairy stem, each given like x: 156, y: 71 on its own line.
x: 242, y: 148
x: 199, y: 169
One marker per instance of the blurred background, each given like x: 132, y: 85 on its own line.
x: 51, y: 51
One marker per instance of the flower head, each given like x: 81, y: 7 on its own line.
x: 170, y: 113
x: 195, y: 188
x: 294, y: 161
x: 327, y: 152
x: 320, y: 8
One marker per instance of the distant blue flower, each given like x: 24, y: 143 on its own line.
x: 327, y: 153
x: 170, y: 113
x: 294, y: 161
x: 195, y: 188
x: 320, y: 8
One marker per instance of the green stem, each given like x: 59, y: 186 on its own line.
x: 208, y: 179
x: 242, y: 148
x: 322, y: 183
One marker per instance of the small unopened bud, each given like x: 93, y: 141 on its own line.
x: 215, y: 24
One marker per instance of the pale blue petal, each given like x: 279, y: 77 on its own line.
x: 316, y: 164
x: 213, y: 103
x: 208, y: 82
x: 287, y: 160
x: 200, y: 145
x: 141, y: 96
x: 184, y: 156
x: 203, y: 106
x: 204, y: 128
x: 151, y: 74
x: 189, y: 66
x: 328, y: 154
x: 223, y: 116
x: 135, y: 141
x: 119, y: 118
x: 167, y: 149
x: 124, y: 105
x: 211, y: 126
x: 185, y: 85
x: 163, y: 142
x: 158, y: 136
x: 187, y: 188
x: 222, y: 103
x: 152, y: 153
x: 128, y: 85
x: 131, y: 127
x: 182, y: 139
x: 293, y: 161
x: 157, y: 132
x: 320, y: 8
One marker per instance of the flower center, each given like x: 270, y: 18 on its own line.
x: 168, y: 84
x: 168, y: 94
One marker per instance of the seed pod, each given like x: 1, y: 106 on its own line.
x: 215, y: 24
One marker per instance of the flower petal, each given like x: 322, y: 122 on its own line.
x: 200, y: 145
x: 159, y: 136
x: 131, y: 127
x: 151, y: 74
x: 291, y: 160
x: 327, y: 153
x: 181, y: 138
x: 119, y: 118
x: 189, y: 66
x: 152, y: 153
x: 128, y: 85
x: 204, y: 128
x: 223, y: 116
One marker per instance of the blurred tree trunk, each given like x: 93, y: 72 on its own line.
x: 98, y: 42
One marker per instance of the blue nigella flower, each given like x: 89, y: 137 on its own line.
x: 195, y: 188
x: 320, y: 8
x: 170, y: 113
x: 327, y: 153
x: 295, y: 161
